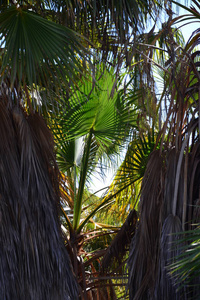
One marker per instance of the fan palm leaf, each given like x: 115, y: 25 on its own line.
x: 37, y: 59
x: 102, y: 120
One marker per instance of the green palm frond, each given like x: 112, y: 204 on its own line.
x: 96, y: 114
x: 36, y: 50
x: 66, y: 155
x: 185, y: 268
x: 93, y: 108
x: 129, y: 175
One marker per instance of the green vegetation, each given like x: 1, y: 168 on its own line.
x: 83, y: 85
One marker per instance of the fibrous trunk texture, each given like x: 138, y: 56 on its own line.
x: 162, y: 218
x: 34, y: 264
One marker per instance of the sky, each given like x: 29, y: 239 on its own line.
x: 187, y: 29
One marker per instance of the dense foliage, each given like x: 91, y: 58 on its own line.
x: 87, y: 86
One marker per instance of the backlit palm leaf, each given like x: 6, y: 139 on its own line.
x: 128, y: 177
x: 98, y: 115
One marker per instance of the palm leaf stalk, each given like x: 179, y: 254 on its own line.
x: 83, y: 174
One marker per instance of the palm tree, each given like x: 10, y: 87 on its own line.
x: 148, y: 70
x: 41, y: 60
x: 88, y: 134
x: 170, y: 187
x: 34, y: 262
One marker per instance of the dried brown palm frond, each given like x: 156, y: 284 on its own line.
x: 179, y: 210
x: 34, y: 263
x: 165, y: 286
x: 180, y: 186
x: 194, y: 184
x: 159, y: 225
x: 118, y: 248
x: 144, y: 253
x: 178, y: 242
x: 171, y: 163
x: 180, y: 189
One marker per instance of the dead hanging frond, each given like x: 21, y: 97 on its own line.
x: 194, y: 186
x: 166, y: 286
x: 171, y: 163
x: 152, y: 247
x: 181, y: 268
x: 178, y: 210
x: 144, y: 254
x: 118, y: 248
x: 34, y: 262
x: 171, y: 227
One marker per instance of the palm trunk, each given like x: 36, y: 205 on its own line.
x: 33, y: 261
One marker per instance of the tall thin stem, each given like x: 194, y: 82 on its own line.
x: 83, y: 173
